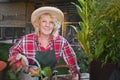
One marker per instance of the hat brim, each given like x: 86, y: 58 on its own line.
x: 52, y: 10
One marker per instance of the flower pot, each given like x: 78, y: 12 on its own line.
x: 84, y: 76
x: 99, y: 72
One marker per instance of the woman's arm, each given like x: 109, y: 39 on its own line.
x: 71, y: 60
x: 14, y: 51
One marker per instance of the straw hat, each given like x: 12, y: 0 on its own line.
x: 47, y: 9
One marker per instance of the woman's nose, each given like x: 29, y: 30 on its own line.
x: 47, y: 23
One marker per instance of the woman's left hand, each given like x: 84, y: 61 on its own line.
x: 75, y: 77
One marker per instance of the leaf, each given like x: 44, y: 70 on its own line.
x: 100, y: 47
x: 82, y: 2
x: 81, y: 11
x: 47, y: 72
x: 11, y: 75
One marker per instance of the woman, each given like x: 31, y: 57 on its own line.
x: 45, y: 44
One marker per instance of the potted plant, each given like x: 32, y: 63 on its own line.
x: 99, y: 34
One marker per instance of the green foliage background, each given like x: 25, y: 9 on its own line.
x: 100, y: 26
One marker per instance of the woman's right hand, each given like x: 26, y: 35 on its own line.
x: 17, y: 65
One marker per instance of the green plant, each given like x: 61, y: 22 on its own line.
x: 82, y: 59
x: 47, y: 72
x: 4, y: 51
x: 100, y: 28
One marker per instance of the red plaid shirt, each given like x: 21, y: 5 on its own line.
x: 27, y: 46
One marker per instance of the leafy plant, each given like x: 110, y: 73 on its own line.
x: 4, y: 51
x: 100, y: 28
x: 44, y: 73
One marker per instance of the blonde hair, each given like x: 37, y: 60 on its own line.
x: 57, y: 24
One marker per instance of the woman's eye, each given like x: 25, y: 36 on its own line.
x: 43, y: 21
x: 51, y: 22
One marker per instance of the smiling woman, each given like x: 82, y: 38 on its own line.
x: 45, y: 45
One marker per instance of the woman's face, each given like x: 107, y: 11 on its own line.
x: 46, y: 24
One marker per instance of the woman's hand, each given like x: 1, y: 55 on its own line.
x: 12, y: 60
x: 75, y: 76
x: 17, y: 64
